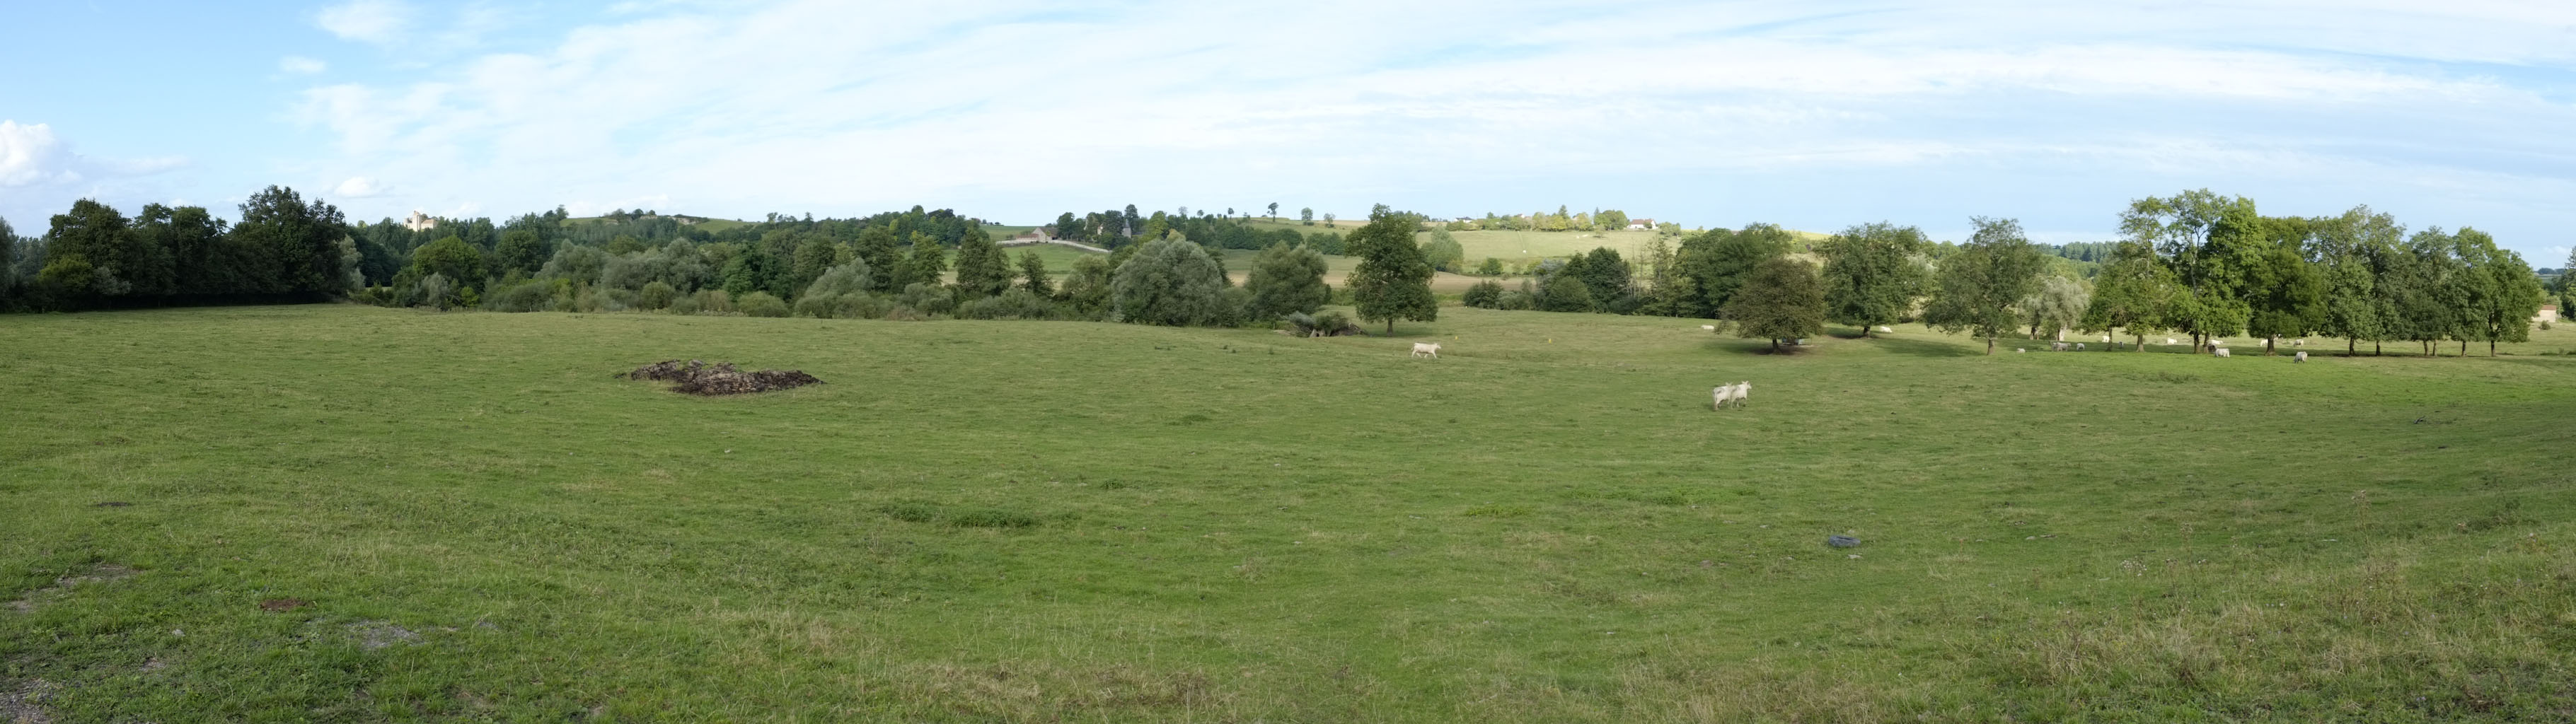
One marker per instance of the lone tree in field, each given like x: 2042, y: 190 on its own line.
x: 1870, y: 276
x: 1274, y: 211
x: 1781, y: 299
x: 1978, y: 285
x: 1286, y: 279
x: 1392, y: 280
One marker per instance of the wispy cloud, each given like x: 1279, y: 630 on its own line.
x: 370, y: 21
x: 301, y: 65
x: 1022, y: 109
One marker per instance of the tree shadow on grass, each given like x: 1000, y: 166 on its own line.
x: 1936, y: 348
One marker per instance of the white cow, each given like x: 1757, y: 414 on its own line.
x: 2057, y: 346
x: 2298, y: 343
x: 1883, y: 328
x: 2079, y: 346
x: 2220, y: 351
x: 2170, y: 340
x: 2018, y: 350
x: 2106, y: 339
x: 1743, y: 393
x: 1723, y: 394
x: 1708, y: 328
x: 1431, y: 349
x: 2300, y: 357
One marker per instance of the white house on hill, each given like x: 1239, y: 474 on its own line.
x: 418, y: 221
x: 1641, y: 224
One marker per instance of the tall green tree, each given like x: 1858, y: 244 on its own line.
x: 92, y: 252
x: 300, y: 241
x: 1871, y: 277
x: 1443, y: 251
x: 1714, y: 263
x: 982, y: 270
x: 929, y: 261
x: 2131, y: 293
x: 1978, y: 285
x: 2501, y: 291
x: 1087, y: 286
x: 1392, y: 280
x: 520, y: 249
x: 1033, y: 274
x: 1285, y: 279
x: 882, y: 250
x: 2058, y: 305
x: 2285, y: 294
x: 2204, y: 238
x: 1274, y: 210
x: 2353, y: 248
x: 1781, y: 300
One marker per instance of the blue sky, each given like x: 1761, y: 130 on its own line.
x: 1814, y: 115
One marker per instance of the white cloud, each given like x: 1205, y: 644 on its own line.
x: 301, y: 65
x: 31, y: 155
x: 371, y: 21
x: 359, y: 187
x: 1020, y: 110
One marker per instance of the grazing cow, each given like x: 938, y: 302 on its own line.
x: 2079, y: 346
x: 2057, y: 346
x: 1720, y: 396
x: 1883, y: 328
x: 1431, y: 349
x: 2300, y: 357
x: 2170, y: 340
x: 2106, y: 339
x: 2298, y: 343
x: 1708, y: 328
x: 2018, y: 350
x: 1743, y: 393
x: 2220, y: 351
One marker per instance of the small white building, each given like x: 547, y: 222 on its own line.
x: 1641, y: 224
x: 2548, y: 313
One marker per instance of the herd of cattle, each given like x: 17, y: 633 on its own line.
x: 2217, y: 347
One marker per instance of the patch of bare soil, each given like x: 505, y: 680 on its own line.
x: 19, y: 701
x: 281, y: 604
x: 722, y: 378
x: 374, y: 635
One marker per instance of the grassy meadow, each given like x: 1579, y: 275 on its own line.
x: 346, y: 513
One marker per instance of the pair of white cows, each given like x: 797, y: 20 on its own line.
x: 1740, y: 393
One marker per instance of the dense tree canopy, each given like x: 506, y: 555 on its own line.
x: 1781, y: 300
x: 1872, y: 275
x: 1979, y: 286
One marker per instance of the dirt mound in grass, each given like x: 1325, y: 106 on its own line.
x: 722, y: 378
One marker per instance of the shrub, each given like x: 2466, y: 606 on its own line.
x: 1517, y: 300
x: 860, y: 305
x: 656, y: 295
x: 760, y: 304
x: 1328, y: 324
x: 818, y: 306
x: 1565, y: 294
x: 706, y: 301
x: 927, y: 298
x: 1169, y: 282
x: 1012, y: 303
x: 1487, y: 294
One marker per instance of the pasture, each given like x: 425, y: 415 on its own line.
x: 349, y: 513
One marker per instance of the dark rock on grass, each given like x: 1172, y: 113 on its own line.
x: 1842, y: 541
x: 722, y: 378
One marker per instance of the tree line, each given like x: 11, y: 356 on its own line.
x: 2197, y: 263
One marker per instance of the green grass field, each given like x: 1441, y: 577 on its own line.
x: 343, y: 513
